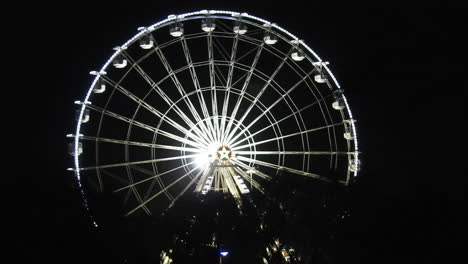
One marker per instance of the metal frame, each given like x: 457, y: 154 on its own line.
x: 191, y: 133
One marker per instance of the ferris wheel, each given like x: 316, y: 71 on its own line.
x: 211, y: 101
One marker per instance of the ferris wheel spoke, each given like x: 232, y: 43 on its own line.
x: 155, y: 87
x: 136, y: 162
x: 140, y: 144
x: 204, y: 135
x: 247, y: 53
x: 231, y: 65
x: 239, y: 80
x: 265, y: 86
x: 219, y: 73
x: 214, y: 102
x: 227, y: 175
x: 115, y: 177
x: 228, y: 85
x: 197, y: 143
x: 164, y: 190
x: 186, y: 99
x: 249, y: 104
x: 254, y: 171
x: 275, y: 123
x: 244, y: 87
x: 153, y: 182
x: 286, y: 136
x: 196, y: 83
x: 219, y: 47
x: 263, y: 113
x: 255, y: 32
x: 234, y: 84
x: 224, y: 28
x: 185, y: 189
x: 151, y: 188
x: 326, y: 153
x: 129, y: 191
x: 152, y: 110
x: 152, y: 175
x: 275, y: 166
x: 214, y: 106
x: 248, y: 178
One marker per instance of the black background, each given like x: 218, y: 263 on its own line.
x: 392, y: 60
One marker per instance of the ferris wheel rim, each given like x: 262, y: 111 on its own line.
x: 191, y: 16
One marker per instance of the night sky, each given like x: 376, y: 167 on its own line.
x: 392, y: 61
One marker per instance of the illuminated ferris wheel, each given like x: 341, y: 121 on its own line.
x: 210, y: 101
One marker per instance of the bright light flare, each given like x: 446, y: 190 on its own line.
x: 207, y: 156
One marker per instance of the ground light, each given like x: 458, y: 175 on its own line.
x: 222, y: 253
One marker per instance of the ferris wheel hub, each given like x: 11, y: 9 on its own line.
x: 224, y: 153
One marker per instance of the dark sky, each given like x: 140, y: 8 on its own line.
x: 393, y: 62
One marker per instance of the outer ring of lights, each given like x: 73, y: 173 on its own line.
x: 193, y: 15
